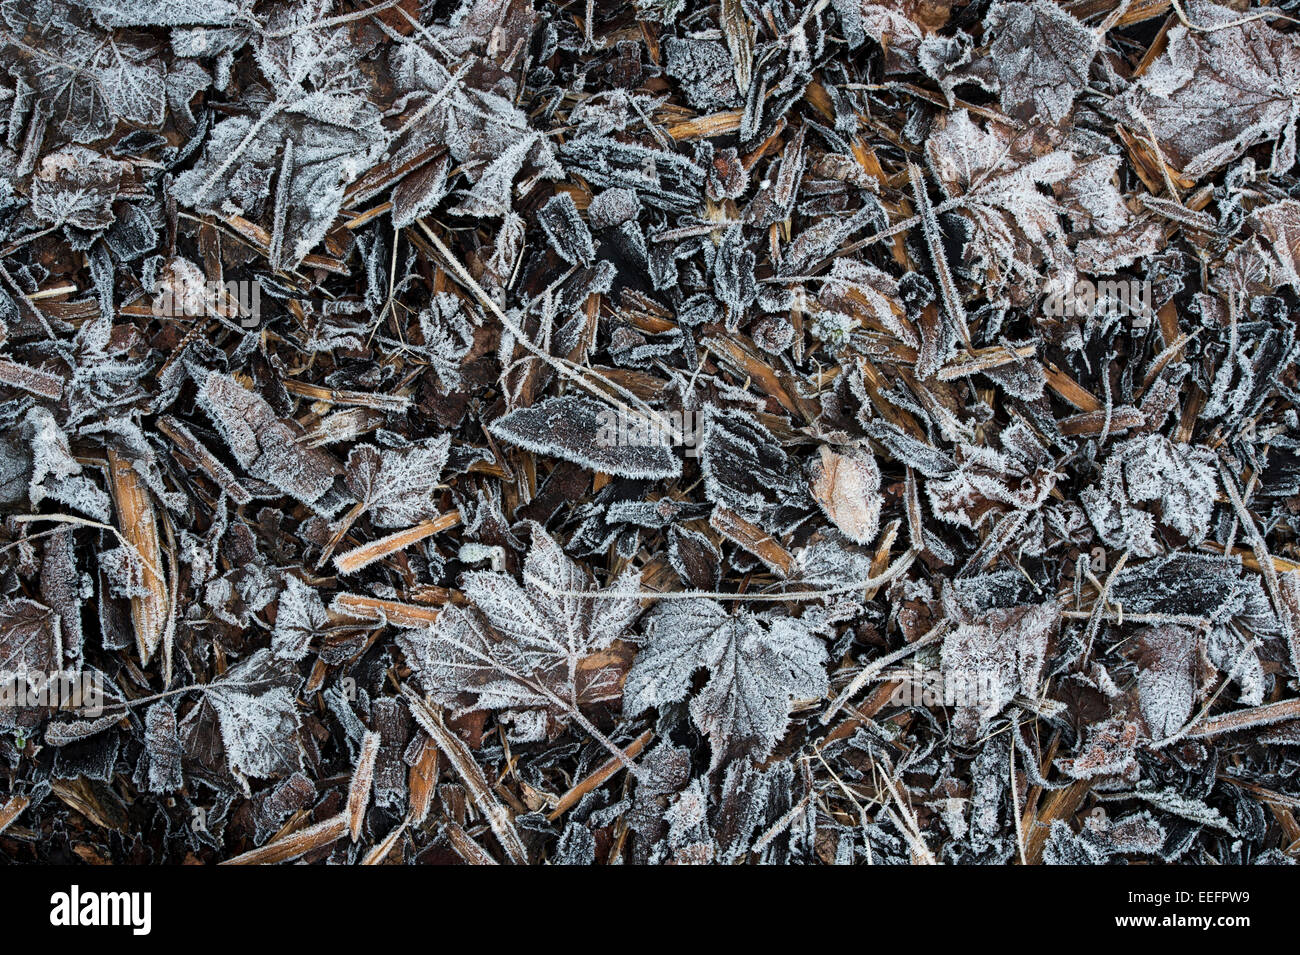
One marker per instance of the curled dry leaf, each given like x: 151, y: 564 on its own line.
x: 846, y: 484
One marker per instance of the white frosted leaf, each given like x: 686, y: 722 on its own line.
x: 1166, y: 658
x: 301, y: 615
x: 988, y: 661
x: 398, y: 485
x: 1042, y: 55
x: 55, y: 472
x: 1187, y: 807
x: 531, y: 644
x: 591, y: 434
x: 1215, y: 92
x: 163, y: 744
x: 332, y: 144
x: 84, y: 77
x: 568, y: 234
x: 1180, y: 478
x: 162, y: 13
x: 258, y: 718
x: 757, y: 668
x: 1013, y: 222
x: 267, y: 446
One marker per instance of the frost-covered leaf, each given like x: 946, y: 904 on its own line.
x: 757, y: 667
x: 271, y: 449
x: 868, y: 294
x: 1166, y: 658
x: 1091, y: 198
x: 988, y: 661
x: 1279, y: 225
x: 314, y: 138
x: 1187, y: 807
x: 752, y: 801
x: 696, y: 559
x: 258, y: 718
x: 55, y: 472
x: 997, y: 190
x: 661, y: 179
x: 592, y: 434
x: 76, y: 187
x: 1205, y: 586
x: 539, y: 645
x: 448, y: 338
x: 988, y: 481
x: 163, y: 746
x: 906, y: 30
x: 569, y: 235
x: 471, y: 109
x: 162, y: 13
x: 704, y: 69
x: 1109, y: 750
x: 84, y: 77
x: 398, y: 485
x: 106, y: 375
x: 1218, y: 90
x: 1042, y: 55
x: 29, y: 637
x: 312, y: 148
x: 300, y: 617
x: 1180, y: 478
x: 744, y: 467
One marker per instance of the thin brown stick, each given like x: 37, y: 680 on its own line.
x: 598, y: 778
x: 365, y: 555
x: 462, y: 760
x: 295, y: 844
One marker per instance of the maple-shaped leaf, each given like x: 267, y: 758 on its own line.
x: 1166, y: 657
x: 546, y: 644
x: 992, y: 185
x: 1218, y: 90
x: 398, y: 486
x: 758, y: 666
x: 987, y: 661
x: 1042, y: 55
x: 76, y: 187
x: 259, y: 719
x: 84, y: 77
